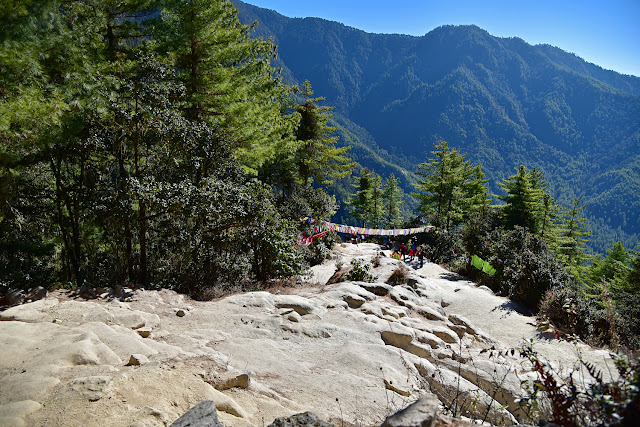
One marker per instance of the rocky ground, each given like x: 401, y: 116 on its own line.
x: 351, y: 352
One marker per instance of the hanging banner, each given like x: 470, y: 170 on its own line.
x: 349, y: 229
x: 480, y: 264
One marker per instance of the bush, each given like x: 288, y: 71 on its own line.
x: 574, y: 400
x: 399, y: 276
x: 526, y: 268
x: 360, y: 272
x: 627, y: 306
x: 442, y: 246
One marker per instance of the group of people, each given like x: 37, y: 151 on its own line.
x: 400, y: 251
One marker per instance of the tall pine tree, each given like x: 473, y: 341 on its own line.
x: 450, y: 189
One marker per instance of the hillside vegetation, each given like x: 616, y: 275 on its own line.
x: 151, y: 144
x: 501, y: 101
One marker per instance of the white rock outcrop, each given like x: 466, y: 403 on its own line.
x: 350, y: 351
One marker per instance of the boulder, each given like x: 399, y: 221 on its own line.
x: 306, y: 419
x: 37, y: 294
x: 421, y: 413
x: 229, y: 379
x: 137, y: 360
x: 204, y: 414
x: 15, y: 297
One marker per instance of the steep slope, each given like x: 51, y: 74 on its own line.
x: 501, y: 101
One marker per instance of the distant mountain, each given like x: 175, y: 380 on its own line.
x: 501, y: 101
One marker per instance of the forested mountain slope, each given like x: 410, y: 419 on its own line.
x: 500, y: 101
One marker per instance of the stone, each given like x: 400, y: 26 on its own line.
x: 293, y: 317
x: 421, y: 413
x: 458, y: 329
x: 486, y: 288
x: 400, y: 339
x: 129, y: 320
x: 354, y: 301
x: 86, y: 292
x: 37, y: 294
x: 137, y: 360
x: 302, y: 306
x: 414, y: 283
x: 204, y: 414
x: 459, y: 320
x: 19, y: 409
x: 229, y: 379
x: 180, y: 313
x: 144, y: 332
x: 306, y: 419
x: 15, y: 297
x: 93, y: 388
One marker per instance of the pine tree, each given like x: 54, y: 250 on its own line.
x: 571, y: 250
x: 451, y: 188
x: 375, y: 201
x: 361, y: 201
x: 529, y: 204
x: 521, y: 201
x: 317, y: 158
x: 228, y: 78
x: 392, y: 199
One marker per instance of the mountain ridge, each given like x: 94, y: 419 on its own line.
x: 501, y: 101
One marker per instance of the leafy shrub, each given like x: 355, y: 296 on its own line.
x: 360, y: 272
x: 627, y: 306
x: 526, y: 268
x: 442, y: 246
x: 320, y: 248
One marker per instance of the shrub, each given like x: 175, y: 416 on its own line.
x: 399, y: 276
x: 572, y: 402
x: 442, y: 246
x: 360, y: 272
x: 526, y: 268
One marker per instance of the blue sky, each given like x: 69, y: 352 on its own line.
x: 605, y: 32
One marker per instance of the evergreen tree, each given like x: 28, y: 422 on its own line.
x: 228, y: 78
x: 528, y: 204
x: 317, y: 158
x: 612, y: 270
x: 522, y: 201
x: 633, y: 278
x: 572, y: 247
x: 132, y: 155
x: 451, y: 188
x: 361, y: 201
x: 392, y: 200
x: 375, y: 201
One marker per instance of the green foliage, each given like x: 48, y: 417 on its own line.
x: 317, y: 157
x: 361, y: 202
x: 227, y: 76
x: 500, y: 100
x: 526, y: 268
x: 392, y: 202
x: 442, y: 246
x: 451, y: 188
x: 360, y: 272
x: 126, y: 127
x: 571, y: 251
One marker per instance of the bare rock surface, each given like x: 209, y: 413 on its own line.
x: 350, y: 352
